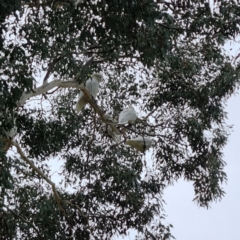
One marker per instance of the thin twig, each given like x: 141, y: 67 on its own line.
x: 24, y: 220
x: 50, y: 68
x: 150, y: 113
x: 76, y: 206
x: 116, y: 144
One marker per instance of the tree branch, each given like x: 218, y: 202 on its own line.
x: 98, y: 110
x: 68, y: 84
x: 24, y: 220
x: 24, y: 157
x: 46, y: 87
x: 57, y: 198
x: 55, y: 61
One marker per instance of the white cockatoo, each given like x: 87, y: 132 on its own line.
x: 92, y: 85
x: 140, y: 143
x: 109, y: 130
x: 127, y: 116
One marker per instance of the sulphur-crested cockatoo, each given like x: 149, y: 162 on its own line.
x: 140, y: 143
x: 92, y: 86
x: 127, y: 116
x: 109, y: 130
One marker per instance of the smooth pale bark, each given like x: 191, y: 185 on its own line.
x: 67, y: 84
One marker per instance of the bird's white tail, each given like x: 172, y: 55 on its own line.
x: 80, y: 104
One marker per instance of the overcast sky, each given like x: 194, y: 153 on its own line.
x: 222, y: 220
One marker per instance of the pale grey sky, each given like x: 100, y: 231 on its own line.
x: 222, y: 220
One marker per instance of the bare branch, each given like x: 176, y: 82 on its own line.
x: 90, y: 62
x: 46, y: 87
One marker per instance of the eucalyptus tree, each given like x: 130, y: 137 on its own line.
x: 164, y: 58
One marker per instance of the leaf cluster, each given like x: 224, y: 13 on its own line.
x: 167, y: 59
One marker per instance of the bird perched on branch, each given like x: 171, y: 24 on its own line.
x: 92, y: 85
x: 109, y: 130
x: 140, y: 143
x: 127, y: 116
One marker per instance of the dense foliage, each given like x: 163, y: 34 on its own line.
x: 166, y: 59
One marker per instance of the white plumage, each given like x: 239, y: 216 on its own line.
x: 127, y: 116
x: 92, y: 85
x: 140, y: 143
x: 109, y: 130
